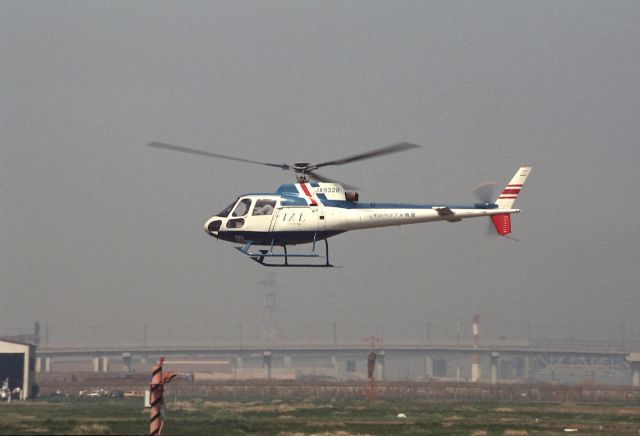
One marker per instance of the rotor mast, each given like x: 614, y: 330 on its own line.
x: 302, y: 176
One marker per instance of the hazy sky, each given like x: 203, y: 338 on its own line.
x: 97, y: 229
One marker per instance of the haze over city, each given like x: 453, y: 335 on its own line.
x: 99, y: 230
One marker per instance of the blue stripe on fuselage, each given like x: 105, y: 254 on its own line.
x: 287, y: 188
x: 343, y: 204
x: 278, y: 238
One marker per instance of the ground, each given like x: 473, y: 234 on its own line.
x: 201, y: 416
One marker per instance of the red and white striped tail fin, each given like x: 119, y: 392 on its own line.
x: 509, y: 194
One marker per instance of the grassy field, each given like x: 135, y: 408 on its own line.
x: 343, y: 418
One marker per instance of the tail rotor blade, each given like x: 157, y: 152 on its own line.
x: 485, y: 192
x: 491, y: 229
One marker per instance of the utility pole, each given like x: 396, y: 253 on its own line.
x: 269, y: 325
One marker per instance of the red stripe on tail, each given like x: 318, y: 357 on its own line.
x: 502, y: 223
x: 515, y: 191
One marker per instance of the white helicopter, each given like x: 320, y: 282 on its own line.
x: 310, y: 212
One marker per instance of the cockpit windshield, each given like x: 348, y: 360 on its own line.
x: 242, y: 208
x: 227, y: 210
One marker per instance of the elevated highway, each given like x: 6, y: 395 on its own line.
x: 519, y: 347
x: 515, y: 360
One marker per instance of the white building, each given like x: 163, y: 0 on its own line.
x: 17, y: 364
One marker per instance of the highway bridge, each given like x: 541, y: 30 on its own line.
x: 524, y: 361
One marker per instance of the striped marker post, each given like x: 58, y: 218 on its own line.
x: 156, y: 390
x: 156, y: 401
x: 371, y: 368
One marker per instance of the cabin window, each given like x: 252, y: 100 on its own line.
x: 235, y: 223
x: 264, y: 207
x: 242, y: 208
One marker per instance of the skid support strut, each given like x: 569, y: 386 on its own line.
x: 262, y: 254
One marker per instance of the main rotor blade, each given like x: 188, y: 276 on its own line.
x: 208, y: 154
x: 373, y: 153
x: 324, y: 179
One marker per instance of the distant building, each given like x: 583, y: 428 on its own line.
x: 17, y: 365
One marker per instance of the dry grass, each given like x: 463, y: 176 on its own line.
x: 335, y: 418
x: 91, y: 429
x: 335, y: 433
x: 258, y: 407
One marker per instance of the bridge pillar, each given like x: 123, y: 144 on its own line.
x: 38, y: 364
x: 475, y: 368
x: 334, y: 365
x: 238, y: 366
x: 287, y: 361
x: 494, y: 367
x: 105, y: 363
x: 96, y: 363
x: 47, y: 364
x: 634, y: 360
x: 266, y: 364
x: 428, y: 367
x: 127, y: 365
x: 380, y: 366
x: 526, y: 368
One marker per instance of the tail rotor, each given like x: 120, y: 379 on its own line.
x: 485, y: 192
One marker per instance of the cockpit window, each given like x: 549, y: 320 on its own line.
x: 225, y: 212
x: 242, y: 208
x: 264, y: 207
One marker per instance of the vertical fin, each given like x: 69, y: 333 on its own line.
x: 509, y: 194
x: 507, y: 197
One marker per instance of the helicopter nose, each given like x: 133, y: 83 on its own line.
x: 212, y: 226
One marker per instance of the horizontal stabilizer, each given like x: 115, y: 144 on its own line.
x: 444, y: 211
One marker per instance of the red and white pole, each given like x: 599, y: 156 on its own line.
x: 371, y: 369
x: 156, y: 390
x: 475, y: 357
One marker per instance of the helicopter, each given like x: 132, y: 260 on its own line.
x: 313, y: 211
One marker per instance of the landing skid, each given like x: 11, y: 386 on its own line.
x: 263, y: 254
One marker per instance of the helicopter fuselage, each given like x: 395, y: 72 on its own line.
x: 308, y: 212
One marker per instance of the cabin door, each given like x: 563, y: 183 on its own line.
x: 298, y: 219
